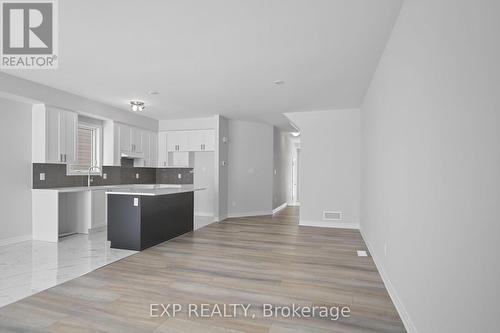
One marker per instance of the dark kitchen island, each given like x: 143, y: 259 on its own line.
x: 143, y: 217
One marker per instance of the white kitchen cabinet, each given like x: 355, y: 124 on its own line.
x: 125, y: 139
x: 178, y: 141
x: 136, y: 139
x: 153, y: 149
x: 207, y: 142
x: 54, y: 135
x: 145, y: 148
x: 130, y: 139
x: 162, y: 149
x: 195, y: 140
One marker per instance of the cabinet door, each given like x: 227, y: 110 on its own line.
x: 177, y: 141
x: 162, y: 149
x: 195, y: 140
x: 125, y: 140
x: 69, y: 139
x: 137, y: 141
x: 52, y: 132
x: 208, y: 140
x: 145, y: 148
x: 153, y: 149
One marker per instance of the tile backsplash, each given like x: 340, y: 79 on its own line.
x: 55, y: 176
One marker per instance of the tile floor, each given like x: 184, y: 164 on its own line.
x: 32, y: 266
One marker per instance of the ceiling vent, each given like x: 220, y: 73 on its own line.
x: 332, y: 216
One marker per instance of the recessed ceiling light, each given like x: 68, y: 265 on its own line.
x: 279, y: 82
x: 153, y: 92
x: 137, y: 106
x: 295, y: 134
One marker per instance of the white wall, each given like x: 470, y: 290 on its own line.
x: 15, y: 171
x: 282, y: 178
x: 329, y: 170
x: 187, y: 124
x: 431, y: 165
x: 250, y: 168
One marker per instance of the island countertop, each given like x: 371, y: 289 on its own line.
x: 154, y: 190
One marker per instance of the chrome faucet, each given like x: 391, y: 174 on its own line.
x: 90, y: 169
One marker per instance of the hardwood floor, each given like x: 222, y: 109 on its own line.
x: 254, y: 260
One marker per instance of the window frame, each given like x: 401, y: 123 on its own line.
x: 97, y: 151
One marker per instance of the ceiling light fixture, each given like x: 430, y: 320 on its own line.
x: 279, y: 82
x: 137, y: 106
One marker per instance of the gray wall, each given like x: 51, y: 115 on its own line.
x: 250, y: 168
x: 431, y: 165
x: 329, y: 165
x: 15, y: 170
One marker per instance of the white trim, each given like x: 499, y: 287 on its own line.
x: 280, y: 207
x: 249, y: 214
x: 329, y: 224
x: 204, y: 214
x: 405, y: 317
x: 294, y: 204
x: 98, y: 228
x: 17, y: 239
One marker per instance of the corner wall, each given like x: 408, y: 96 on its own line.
x: 250, y: 168
x: 431, y: 165
x: 329, y: 166
x: 15, y: 171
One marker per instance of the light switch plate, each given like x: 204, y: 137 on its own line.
x: 136, y: 176
x: 42, y: 176
x: 179, y: 176
x: 104, y: 176
x: 136, y: 202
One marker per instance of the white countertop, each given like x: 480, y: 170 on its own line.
x: 125, y: 188
x: 154, y: 190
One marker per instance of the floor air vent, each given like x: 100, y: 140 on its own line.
x: 332, y: 216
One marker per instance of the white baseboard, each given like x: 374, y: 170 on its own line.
x: 280, y: 207
x: 97, y: 229
x: 294, y: 204
x: 405, y: 317
x: 204, y: 214
x: 220, y: 218
x: 17, y: 239
x: 249, y: 214
x: 329, y: 224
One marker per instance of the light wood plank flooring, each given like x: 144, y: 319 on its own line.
x: 252, y: 260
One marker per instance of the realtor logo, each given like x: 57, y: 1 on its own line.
x: 29, y: 34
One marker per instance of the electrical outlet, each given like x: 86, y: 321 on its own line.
x: 42, y: 176
x: 136, y: 202
x: 179, y: 176
x: 104, y: 176
x: 136, y: 176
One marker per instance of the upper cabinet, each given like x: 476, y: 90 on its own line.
x: 54, y: 135
x: 130, y: 139
x: 175, y: 148
x: 198, y: 140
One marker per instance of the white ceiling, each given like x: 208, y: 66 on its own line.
x: 210, y: 57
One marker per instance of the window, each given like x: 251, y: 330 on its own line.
x: 88, y: 149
